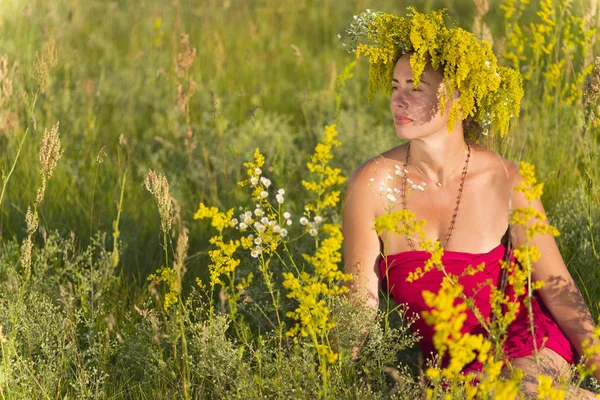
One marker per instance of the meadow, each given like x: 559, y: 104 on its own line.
x: 125, y: 127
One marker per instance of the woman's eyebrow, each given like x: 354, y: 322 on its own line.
x: 410, y: 81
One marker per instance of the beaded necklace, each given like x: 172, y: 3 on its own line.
x: 460, y: 191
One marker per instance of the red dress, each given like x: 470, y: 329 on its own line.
x: 519, y: 341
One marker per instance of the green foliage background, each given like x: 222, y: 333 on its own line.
x: 266, y: 73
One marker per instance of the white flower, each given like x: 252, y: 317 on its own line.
x: 248, y: 220
x: 259, y: 227
x: 371, y: 179
x: 391, y: 198
x: 276, y: 228
x: 253, y: 181
x: 279, y: 198
x: 288, y: 222
x: 396, y: 190
x: 271, y: 223
x: 287, y: 215
x: 281, y: 192
x: 254, y: 253
x: 233, y: 222
x: 283, y: 232
x: 264, y: 220
x: 487, y: 64
x: 257, y: 240
x: 389, y: 190
x: 303, y: 221
x: 421, y: 188
x: 313, y: 232
x: 258, y: 212
x: 258, y: 171
x: 265, y: 181
x: 318, y: 219
x: 264, y: 194
x: 389, y: 177
x: 243, y: 226
x: 339, y: 36
x: 248, y: 214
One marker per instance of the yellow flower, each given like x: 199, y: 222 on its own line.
x: 325, y: 176
x: 546, y: 390
x: 490, y: 93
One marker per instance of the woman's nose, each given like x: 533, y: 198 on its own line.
x: 399, y: 99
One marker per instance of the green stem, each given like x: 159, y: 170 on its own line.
x: 5, y: 183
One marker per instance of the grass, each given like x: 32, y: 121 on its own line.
x: 88, y: 323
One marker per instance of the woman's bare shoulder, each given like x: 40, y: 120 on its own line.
x: 495, y: 168
x: 379, y: 167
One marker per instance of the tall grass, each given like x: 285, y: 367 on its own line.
x: 127, y: 84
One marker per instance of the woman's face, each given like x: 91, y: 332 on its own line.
x: 416, y: 110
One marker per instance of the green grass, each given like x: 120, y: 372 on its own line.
x: 265, y: 72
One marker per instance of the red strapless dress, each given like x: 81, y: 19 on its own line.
x: 519, y: 341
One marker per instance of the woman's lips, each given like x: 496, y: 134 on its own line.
x: 402, y: 120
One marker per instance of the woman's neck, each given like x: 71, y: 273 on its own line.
x: 438, y: 157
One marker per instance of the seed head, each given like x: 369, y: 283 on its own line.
x: 44, y: 64
x: 32, y: 220
x: 50, y: 152
x: 591, y: 93
x: 158, y: 185
x: 185, y: 59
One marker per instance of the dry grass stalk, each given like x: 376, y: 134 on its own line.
x: 185, y: 59
x: 26, y: 249
x: 6, y: 87
x: 32, y: 220
x: 184, y: 95
x: 50, y: 153
x: 181, y: 253
x: 9, y: 121
x: 591, y: 94
x: 480, y: 28
x: 158, y: 185
x: 44, y: 64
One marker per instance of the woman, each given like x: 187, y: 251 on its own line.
x: 466, y: 196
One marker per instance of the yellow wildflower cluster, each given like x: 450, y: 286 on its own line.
x: 219, y: 220
x: 488, y: 92
x: 310, y: 290
x: 169, y: 276
x: 254, y: 172
x: 531, y: 47
x: 547, y: 390
x: 447, y: 316
x: 404, y: 223
x: 222, y: 261
x: 326, y: 176
x: 312, y: 313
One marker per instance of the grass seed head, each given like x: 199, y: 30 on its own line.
x: 185, y: 59
x: 50, y: 152
x: 591, y: 93
x: 44, y: 64
x: 6, y: 87
x: 157, y: 184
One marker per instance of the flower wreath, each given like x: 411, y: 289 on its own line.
x: 490, y: 94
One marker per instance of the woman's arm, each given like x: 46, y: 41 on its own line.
x: 560, y: 294
x: 361, y: 244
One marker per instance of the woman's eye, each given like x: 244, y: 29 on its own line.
x: 394, y: 87
x: 417, y: 90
